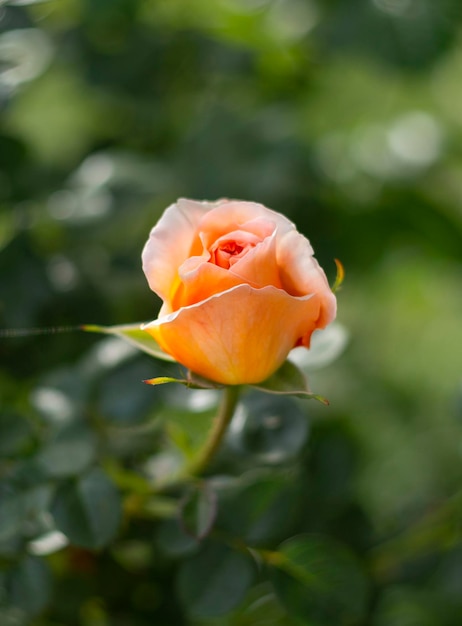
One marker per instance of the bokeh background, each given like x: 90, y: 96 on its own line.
x: 345, y: 115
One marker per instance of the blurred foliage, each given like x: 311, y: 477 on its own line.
x: 345, y: 116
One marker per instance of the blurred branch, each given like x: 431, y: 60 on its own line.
x: 439, y: 530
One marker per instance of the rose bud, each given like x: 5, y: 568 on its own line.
x: 240, y: 288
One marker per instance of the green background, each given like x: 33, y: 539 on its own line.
x: 346, y: 116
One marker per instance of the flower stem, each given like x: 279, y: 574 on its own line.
x: 217, y: 432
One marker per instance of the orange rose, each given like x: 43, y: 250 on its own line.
x: 240, y: 288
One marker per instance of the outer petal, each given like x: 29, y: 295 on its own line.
x: 301, y: 274
x: 239, y: 336
x: 231, y: 215
x: 171, y: 242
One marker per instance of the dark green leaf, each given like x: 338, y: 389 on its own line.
x: 258, y: 508
x: 70, y: 451
x: 88, y: 510
x: 320, y: 582
x: 29, y: 585
x: 11, y: 512
x: 215, y: 580
x: 198, y: 511
x: 122, y: 399
x: 173, y: 541
x: 272, y: 429
x: 15, y: 435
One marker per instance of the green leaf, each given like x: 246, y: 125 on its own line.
x: 11, y: 512
x: 71, y: 450
x: 320, y: 582
x: 258, y: 508
x: 23, y: 512
x: 270, y: 429
x: 172, y: 540
x: 289, y: 380
x: 215, y: 580
x: 260, y: 608
x: 88, y: 510
x: 29, y: 585
x: 133, y: 334
x: 120, y: 398
x: 198, y: 511
x: 16, y: 435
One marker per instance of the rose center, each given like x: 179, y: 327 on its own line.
x: 228, y: 253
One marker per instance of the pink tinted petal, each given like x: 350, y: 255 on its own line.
x: 229, y: 248
x: 170, y: 243
x: 234, y: 215
x: 239, y: 236
x: 239, y: 336
x: 259, y: 266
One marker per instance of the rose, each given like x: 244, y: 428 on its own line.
x: 240, y: 288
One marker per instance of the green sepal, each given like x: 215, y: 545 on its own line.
x: 193, y: 381
x: 289, y: 380
x: 134, y: 335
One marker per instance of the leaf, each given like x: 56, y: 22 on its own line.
x: 69, y: 453
x: 121, y: 400
x: 133, y: 334
x: 289, y: 380
x: 270, y: 429
x: 22, y: 511
x: 11, y: 512
x: 320, y: 582
x: 29, y: 585
x: 198, y: 511
x: 16, y: 435
x: 258, y: 508
x: 88, y: 510
x: 172, y: 540
x: 215, y: 580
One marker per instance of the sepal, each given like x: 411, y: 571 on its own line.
x: 133, y: 334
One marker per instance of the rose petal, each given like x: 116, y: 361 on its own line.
x: 234, y: 215
x: 240, y: 336
x: 295, y: 257
x: 259, y: 266
x: 199, y: 282
x: 301, y: 274
x: 170, y: 243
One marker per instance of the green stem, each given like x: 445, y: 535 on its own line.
x: 217, y: 432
